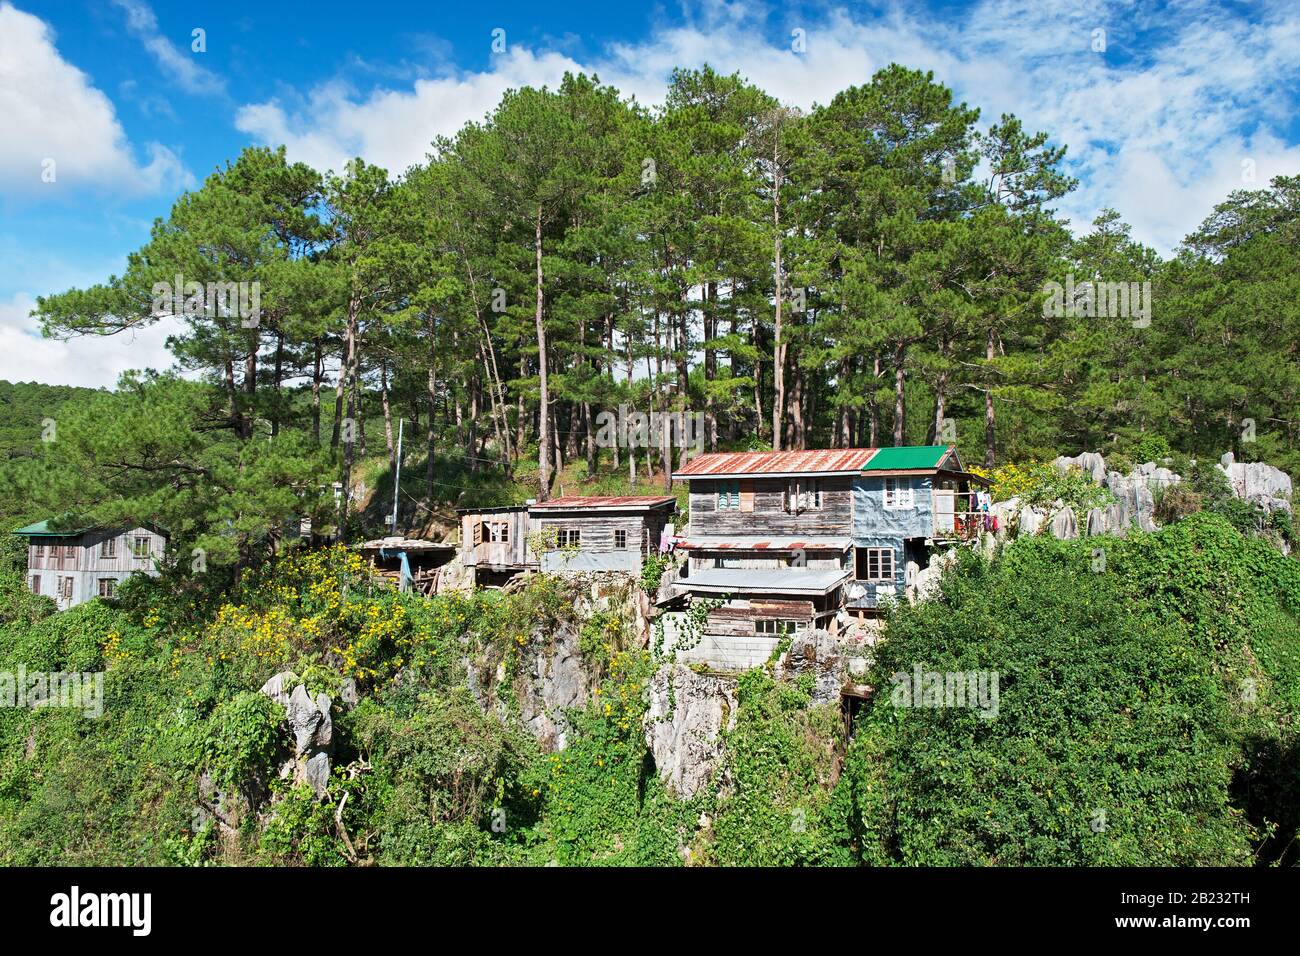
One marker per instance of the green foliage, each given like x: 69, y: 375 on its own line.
x: 1122, y: 727
x: 781, y: 759
x: 652, y: 572
x: 240, y: 738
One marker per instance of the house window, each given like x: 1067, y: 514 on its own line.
x: 40, y: 550
x: 109, y: 548
x: 728, y: 495
x: 773, y: 626
x: 804, y: 494
x: 140, y: 547
x: 570, y: 538
x: 70, y: 551
x: 65, y: 588
x: 36, y: 584
x: 875, y: 564
x: 620, y: 539
x: 898, y: 493
x: 107, y: 587
x: 494, y: 531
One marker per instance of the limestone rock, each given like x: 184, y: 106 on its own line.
x: 558, y: 681
x: 688, y: 712
x: 276, y: 687
x: 1031, y: 521
x: 304, y: 719
x: 1064, y: 525
x: 349, y: 694
x: 1258, y: 483
x: 1089, y: 461
x: 316, y: 773
x: 819, y: 654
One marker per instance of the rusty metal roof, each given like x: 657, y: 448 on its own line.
x: 612, y: 502
x: 813, y: 461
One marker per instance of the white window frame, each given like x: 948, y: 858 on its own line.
x: 776, y: 627
x: 617, y: 545
x: 897, y: 495
x: 803, y: 494
x: 877, y: 557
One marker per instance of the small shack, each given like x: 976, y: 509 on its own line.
x: 411, y: 562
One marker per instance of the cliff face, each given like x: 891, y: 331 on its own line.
x: 690, y: 709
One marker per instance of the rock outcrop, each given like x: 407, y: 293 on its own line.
x: 310, y: 724
x: 1258, y: 483
x: 822, y: 656
x: 558, y: 680
x: 1089, y: 461
x: 688, y: 713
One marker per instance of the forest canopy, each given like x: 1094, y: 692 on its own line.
x: 887, y: 268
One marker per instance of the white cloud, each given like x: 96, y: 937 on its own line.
x: 59, y: 127
x: 1153, y: 125
x: 393, y: 128
x: 91, y: 361
x: 176, y: 63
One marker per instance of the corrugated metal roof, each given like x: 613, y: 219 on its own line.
x: 764, y: 580
x: 42, y: 529
x: 766, y: 543
x: 907, y: 457
x: 813, y: 461
x: 606, y: 501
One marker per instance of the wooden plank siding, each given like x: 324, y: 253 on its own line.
x: 81, y: 558
x: 769, y: 517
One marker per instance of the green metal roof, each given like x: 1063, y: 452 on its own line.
x: 42, y: 529
x: 907, y: 458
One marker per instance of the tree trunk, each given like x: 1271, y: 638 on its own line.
x: 990, y: 450
x: 778, y: 343
x: 544, y: 392
x: 900, y: 421
x: 389, y: 443
x: 316, y: 375
x: 875, y: 406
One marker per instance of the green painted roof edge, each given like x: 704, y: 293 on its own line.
x: 42, y: 529
x: 906, y: 457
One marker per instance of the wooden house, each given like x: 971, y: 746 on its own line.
x: 74, y: 566
x: 794, y: 538
x: 564, y: 535
x: 413, y: 563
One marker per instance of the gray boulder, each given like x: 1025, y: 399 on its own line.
x: 304, y: 719
x: 818, y: 654
x: 1258, y: 483
x: 277, y: 687
x: 1089, y: 461
x: 1064, y: 524
x: 559, y: 680
x: 316, y: 773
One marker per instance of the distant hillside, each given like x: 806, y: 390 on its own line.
x: 23, y: 408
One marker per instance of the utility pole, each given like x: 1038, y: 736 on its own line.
x: 397, y: 479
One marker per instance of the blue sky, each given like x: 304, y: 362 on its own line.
x: 1187, y: 101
